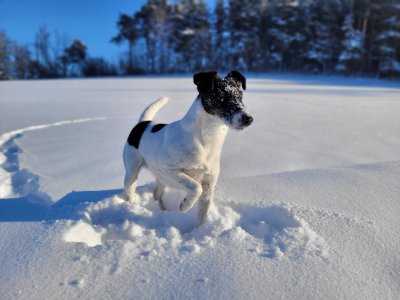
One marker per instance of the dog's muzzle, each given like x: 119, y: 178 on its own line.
x: 247, y: 120
x: 241, y: 120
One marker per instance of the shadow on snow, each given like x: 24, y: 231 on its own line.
x: 27, y: 209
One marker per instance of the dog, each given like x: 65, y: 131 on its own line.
x: 185, y: 154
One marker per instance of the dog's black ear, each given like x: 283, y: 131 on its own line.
x: 239, y: 78
x: 205, y: 81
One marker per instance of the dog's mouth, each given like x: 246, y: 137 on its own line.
x: 240, y: 128
x: 240, y: 121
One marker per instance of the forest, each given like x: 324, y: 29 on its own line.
x: 348, y: 37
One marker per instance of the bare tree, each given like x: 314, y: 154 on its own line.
x: 5, y: 56
x: 22, y: 59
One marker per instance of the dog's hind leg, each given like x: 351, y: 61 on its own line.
x: 133, y: 161
x: 158, y: 194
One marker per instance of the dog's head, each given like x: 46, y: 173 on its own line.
x: 223, y: 97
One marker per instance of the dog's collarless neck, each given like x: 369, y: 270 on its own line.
x: 201, y: 124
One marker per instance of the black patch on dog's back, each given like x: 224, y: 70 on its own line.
x: 136, y: 134
x: 158, y: 127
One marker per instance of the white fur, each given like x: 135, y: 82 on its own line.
x: 151, y: 110
x: 236, y: 120
x: 184, y: 155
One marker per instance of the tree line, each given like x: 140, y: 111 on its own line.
x: 313, y: 36
x: 351, y: 37
x: 48, y: 57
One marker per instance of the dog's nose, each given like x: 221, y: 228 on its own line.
x: 247, y: 120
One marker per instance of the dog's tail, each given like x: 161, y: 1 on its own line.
x: 150, y: 111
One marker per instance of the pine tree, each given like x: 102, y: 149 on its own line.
x: 220, y: 37
x: 279, y: 35
x: 325, y: 42
x: 259, y: 35
x: 155, y: 26
x: 202, y: 45
x: 75, y: 56
x: 389, y: 42
x: 161, y: 14
x: 244, y: 21
x: 191, y: 35
x: 350, y: 58
x: 298, y: 29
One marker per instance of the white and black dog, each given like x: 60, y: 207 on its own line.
x: 185, y: 154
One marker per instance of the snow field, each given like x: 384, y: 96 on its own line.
x: 306, y: 205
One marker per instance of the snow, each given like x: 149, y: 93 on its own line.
x: 188, y: 31
x: 306, y: 205
x: 390, y: 65
x: 388, y: 34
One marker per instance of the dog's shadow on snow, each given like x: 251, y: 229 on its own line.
x: 34, y: 209
x: 37, y: 207
x: 22, y: 209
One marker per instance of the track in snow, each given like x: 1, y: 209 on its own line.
x: 21, y: 182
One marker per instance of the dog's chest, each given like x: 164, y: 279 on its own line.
x: 198, y: 173
x: 203, y: 161
x: 194, y: 155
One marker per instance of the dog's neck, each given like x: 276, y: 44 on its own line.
x: 206, y: 128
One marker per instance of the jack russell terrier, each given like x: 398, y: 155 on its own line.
x: 185, y: 154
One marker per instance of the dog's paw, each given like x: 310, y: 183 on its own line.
x: 123, y: 196
x: 185, y: 205
x: 162, y: 205
x: 129, y: 198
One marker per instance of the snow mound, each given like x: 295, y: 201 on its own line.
x: 282, y: 232
x: 275, y: 231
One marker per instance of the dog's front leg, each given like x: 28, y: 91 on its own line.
x: 189, y: 185
x: 206, y: 199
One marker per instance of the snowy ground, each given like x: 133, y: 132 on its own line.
x: 307, y: 205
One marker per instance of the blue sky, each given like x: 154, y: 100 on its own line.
x: 92, y: 21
